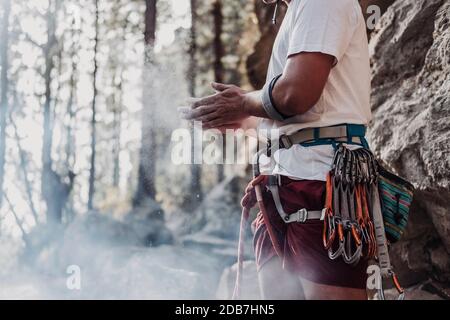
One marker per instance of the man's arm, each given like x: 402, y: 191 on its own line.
x: 300, y: 86
x: 297, y: 91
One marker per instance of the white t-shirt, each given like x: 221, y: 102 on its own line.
x: 337, y: 28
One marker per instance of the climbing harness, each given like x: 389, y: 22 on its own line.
x: 356, y: 221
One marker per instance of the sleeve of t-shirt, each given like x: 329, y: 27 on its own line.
x: 325, y: 26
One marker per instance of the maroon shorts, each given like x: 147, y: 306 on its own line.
x: 302, y: 244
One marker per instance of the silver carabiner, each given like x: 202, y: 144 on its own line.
x: 340, y: 250
x: 349, y: 257
x: 400, y: 290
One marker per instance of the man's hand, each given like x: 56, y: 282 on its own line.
x: 223, y: 110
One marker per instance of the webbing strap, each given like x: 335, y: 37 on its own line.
x: 356, y: 130
x: 383, y: 253
x: 345, y: 212
x: 349, y: 133
x: 318, y: 133
x: 300, y: 216
x: 361, y: 141
x: 384, y: 262
x: 336, y: 204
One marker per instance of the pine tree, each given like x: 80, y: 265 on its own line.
x: 94, y: 113
x: 146, y: 175
x: 4, y: 89
x: 196, y: 173
x: 218, y: 65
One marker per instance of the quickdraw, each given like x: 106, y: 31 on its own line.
x: 346, y: 209
x: 353, y: 222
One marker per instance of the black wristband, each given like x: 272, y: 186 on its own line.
x: 269, y: 103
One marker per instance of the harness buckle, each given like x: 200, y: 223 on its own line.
x: 302, y: 215
x: 285, y: 142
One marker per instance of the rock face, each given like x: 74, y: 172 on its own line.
x: 410, y: 52
x: 410, y: 56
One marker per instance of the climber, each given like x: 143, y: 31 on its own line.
x: 316, y: 94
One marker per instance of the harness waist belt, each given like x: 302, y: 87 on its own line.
x: 344, y: 133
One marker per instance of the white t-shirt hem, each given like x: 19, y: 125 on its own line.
x: 315, y: 48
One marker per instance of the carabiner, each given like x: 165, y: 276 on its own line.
x: 352, y: 258
x: 329, y: 230
x: 336, y: 159
x: 336, y: 254
x: 398, y: 287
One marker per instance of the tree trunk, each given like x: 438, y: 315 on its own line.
x: 69, y: 147
x: 146, y: 175
x: 54, y: 190
x: 117, y: 127
x: 150, y: 23
x: 218, y: 65
x: 115, y: 100
x: 24, y: 169
x: 94, y: 114
x: 195, y: 185
x: 4, y: 90
x: 49, y: 177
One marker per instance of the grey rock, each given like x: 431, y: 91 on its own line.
x: 410, y: 52
x: 423, y: 291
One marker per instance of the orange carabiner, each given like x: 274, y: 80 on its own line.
x: 397, y: 284
x: 355, y: 235
x: 340, y: 231
x: 398, y: 287
x: 359, y: 209
x: 329, y: 231
x: 329, y: 228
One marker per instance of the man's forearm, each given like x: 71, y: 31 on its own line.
x: 253, y: 105
x: 250, y: 123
